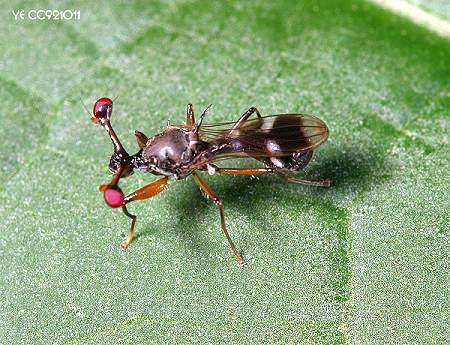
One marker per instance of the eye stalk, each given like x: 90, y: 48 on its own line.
x: 120, y: 159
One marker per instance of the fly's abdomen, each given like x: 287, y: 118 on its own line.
x: 294, y: 162
x: 284, y: 141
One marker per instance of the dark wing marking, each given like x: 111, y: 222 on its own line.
x: 269, y: 136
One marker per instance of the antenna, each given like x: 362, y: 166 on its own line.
x: 84, y: 105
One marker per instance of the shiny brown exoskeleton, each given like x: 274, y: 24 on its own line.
x: 284, y: 143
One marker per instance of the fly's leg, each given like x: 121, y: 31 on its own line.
x: 143, y: 193
x: 148, y: 190
x: 247, y: 114
x: 124, y: 245
x: 190, y: 119
x: 244, y: 118
x: 240, y: 171
x: 209, y: 192
x: 257, y: 171
x: 315, y: 183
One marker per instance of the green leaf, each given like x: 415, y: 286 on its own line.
x: 362, y: 261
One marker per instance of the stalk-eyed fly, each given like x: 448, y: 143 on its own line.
x: 284, y: 143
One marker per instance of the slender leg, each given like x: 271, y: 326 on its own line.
x: 190, y: 120
x: 124, y: 245
x: 143, y: 193
x: 243, y: 171
x: 218, y: 203
x: 202, y: 116
x: 256, y: 171
x: 244, y: 118
x: 319, y: 183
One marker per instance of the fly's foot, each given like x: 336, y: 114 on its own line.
x: 124, y: 245
x: 241, y: 261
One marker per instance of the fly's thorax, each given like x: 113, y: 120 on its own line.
x: 168, y: 151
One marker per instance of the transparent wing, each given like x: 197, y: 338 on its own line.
x: 271, y: 136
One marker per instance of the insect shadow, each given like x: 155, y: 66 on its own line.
x: 349, y: 170
x: 195, y: 215
x: 353, y: 167
x: 192, y: 212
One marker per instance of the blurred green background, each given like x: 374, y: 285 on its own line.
x: 362, y: 262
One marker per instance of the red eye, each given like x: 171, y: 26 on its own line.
x: 114, y: 197
x: 102, y: 109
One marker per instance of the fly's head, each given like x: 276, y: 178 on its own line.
x: 119, y: 161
